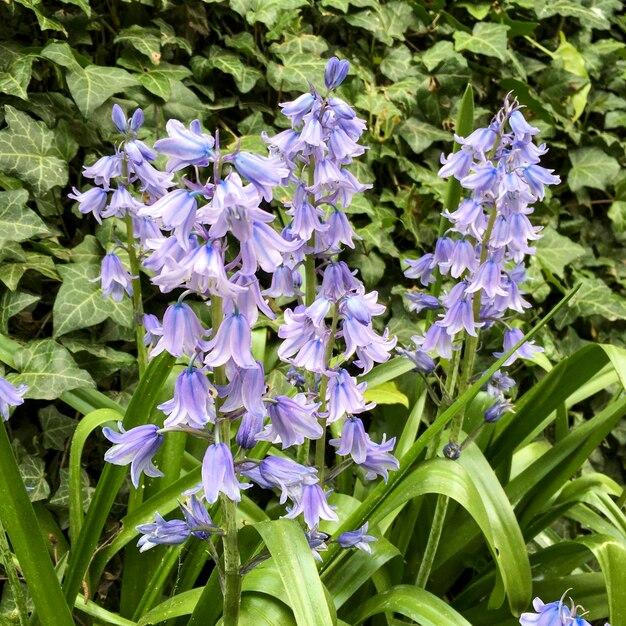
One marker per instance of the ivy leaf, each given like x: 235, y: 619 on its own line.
x: 25, y: 152
x: 92, y: 86
x: 45, y: 23
x: 296, y: 72
x: 61, y: 497
x: 617, y: 215
x: 17, y: 221
x: 593, y: 16
x: 61, y: 54
x: 156, y: 83
x: 11, y: 273
x: 48, y: 369
x: 591, y: 167
x: 420, y: 135
x: 14, y: 82
x: 396, y: 64
x: 245, y: 77
x: 33, y: 471
x: 593, y: 298
x: 147, y: 41
x: 264, y: 11
x: 486, y: 39
x: 302, y: 43
x: 79, y: 302
x: 554, y: 251
x: 11, y: 304
x: 56, y: 428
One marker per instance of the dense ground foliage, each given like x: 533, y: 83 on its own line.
x: 549, y: 477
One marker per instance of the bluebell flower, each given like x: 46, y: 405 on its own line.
x: 250, y: 426
x: 552, y: 614
x: 181, y: 332
x: 115, y: 278
x: 298, y: 108
x: 176, y: 210
x: 91, y: 201
x: 498, y: 384
x: 345, y: 395
x: 198, y: 519
x: 104, y: 169
x: 136, y: 446
x: 313, y: 505
x: 528, y: 349
x: 263, y: 172
x: 185, y: 147
x: 121, y: 203
x: 498, y: 409
x: 421, y: 268
x: 358, y: 539
x: 162, y: 532
x: 317, y: 542
x: 338, y: 280
x: 379, y: 460
x: 10, y: 395
x: 335, y: 72
x: 292, y: 421
x: 193, y: 402
x: 218, y: 474
x: 153, y: 328
x: 245, y: 389
x: 452, y: 450
x: 354, y: 441
x: 418, y: 301
x: 232, y: 341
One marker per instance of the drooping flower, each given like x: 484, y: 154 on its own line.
x: 193, y: 402
x: 552, y: 614
x: 10, y: 396
x: 115, y: 278
x: 218, y: 474
x: 162, y: 532
x: 136, y: 446
x: 358, y: 539
x: 181, y: 332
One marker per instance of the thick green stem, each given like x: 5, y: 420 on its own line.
x: 433, y: 542
x: 142, y: 355
x: 6, y: 558
x: 232, y: 559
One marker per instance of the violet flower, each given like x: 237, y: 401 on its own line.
x: 10, y: 395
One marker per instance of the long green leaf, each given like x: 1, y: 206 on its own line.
x: 412, y: 602
x: 19, y: 520
x: 138, y: 410
x: 176, y: 606
x: 292, y: 556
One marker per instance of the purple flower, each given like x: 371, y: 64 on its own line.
x: 153, y: 328
x: 344, y: 395
x: 379, y: 459
x: 91, y: 201
x: 419, y: 301
x: 421, y: 268
x: 162, y: 532
x: 185, y: 147
x: 357, y: 539
x: 115, y: 279
x: 181, y: 332
x: 312, y: 503
x: 245, y: 389
x: 10, y: 396
x: 104, y: 169
x: 353, y: 441
x: 198, y: 519
x: 136, y: 446
x: 193, y: 402
x: 232, y: 341
x: 498, y: 409
x: 335, y: 73
x: 317, y: 543
x: 218, y: 474
x: 552, y: 614
x: 292, y: 421
x: 298, y: 108
x: 528, y: 350
x: 263, y: 172
x: 498, y: 384
x: 176, y: 210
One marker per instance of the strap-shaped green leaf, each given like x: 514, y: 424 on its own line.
x: 296, y: 567
x: 412, y: 602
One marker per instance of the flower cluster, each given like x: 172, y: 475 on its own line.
x: 553, y: 614
x: 204, y: 227
x: 480, y: 257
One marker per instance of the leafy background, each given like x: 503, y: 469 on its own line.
x: 229, y: 63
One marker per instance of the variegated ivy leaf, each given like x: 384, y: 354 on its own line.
x: 245, y: 77
x: 33, y: 471
x: 555, y: 251
x: 25, y: 152
x: 591, y: 167
x: 265, y: 11
x: 11, y: 304
x: 17, y: 221
x: 79, y: 303
x: 486, y: 38
x: 14, y: 82
x: 11, y: 273
x: 296, y: 72
x: 56, y: 428
x: 93, y: 85
x: 48, y: 369
x: 144, y: 40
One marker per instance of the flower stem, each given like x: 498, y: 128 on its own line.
x: 142, y: 355
x: 232, y: 560
x: 6, y: 558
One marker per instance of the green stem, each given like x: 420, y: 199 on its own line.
x: 433, y: 542
x: 320, y: 444
x: 232, y: 558
x: 142, y: 354
x: 6, y: 558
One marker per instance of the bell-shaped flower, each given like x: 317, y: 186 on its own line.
x: 10, y: 395
x: 335, y: 72
x: 379, y: 460
x: 358, y: 539
x: 344, y: 395
x: 264, y: 173
x: 181, y: 332
x: 354, y: 441
x: 136, y: 446
x: 185, y: 147
x: 104, y: 169
x: 528, y: 349
x: 115, y: 278
x: 232, y: 341
x: 162, y: 532
x: 313, y: 505
x: 218, y: 474
x: 292, y: 421
x: 552, y: 614
x: 193, y: 402
x: 91, y: 201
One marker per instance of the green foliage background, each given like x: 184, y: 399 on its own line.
x: 229, y: 63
